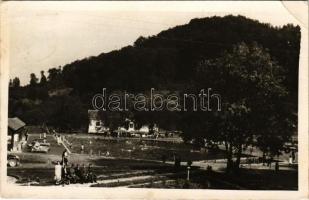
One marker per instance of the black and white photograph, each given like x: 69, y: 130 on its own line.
x: 154, y: 97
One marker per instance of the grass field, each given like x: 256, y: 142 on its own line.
x: 141, y: 149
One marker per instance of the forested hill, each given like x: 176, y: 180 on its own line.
x: 172, y: 55
x: 167, y: 60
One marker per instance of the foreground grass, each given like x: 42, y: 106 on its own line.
x: 165, y: 176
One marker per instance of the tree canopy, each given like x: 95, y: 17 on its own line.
x: 251, y: 85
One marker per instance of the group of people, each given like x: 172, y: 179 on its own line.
x: 73, y: 174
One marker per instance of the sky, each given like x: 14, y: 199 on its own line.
x: 42, y: 35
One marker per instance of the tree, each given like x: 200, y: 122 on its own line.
x: 113, y: 119
x: 11, y: 83
x: 65, y: 112
x: 139, y: 42
x: 55, y: 77
x: 250, y: 83
x: 16, y: 82
x: 43, y: 78
x: 53, y: 74
x: 33, y: 79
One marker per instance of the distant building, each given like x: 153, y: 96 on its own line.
x: 96, y: 125
x: 144, y: 129
x: 128, y: 128
x: 132, y: 129
x: 131, y: 125
x: 16, y: 134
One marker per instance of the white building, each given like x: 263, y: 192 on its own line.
x: 96, y: 125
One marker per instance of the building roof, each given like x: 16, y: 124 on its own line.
x: 15, y: 123
x: 93, y: 114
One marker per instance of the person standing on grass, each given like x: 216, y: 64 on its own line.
x: 65, y: 158
x: 58, y: 139
x: 277, y: 166
x: 64, y: 172
x: 78, y: 173
x: 91, y: 176
x: 293, y: 156
x: 26, y: 135
x: 264, y: 159
x: 82, y: 149
x: 58, y: 170
x: 71, y: 174
x: 83, y: 173
x: 270, y: 161
x: 290, y: 160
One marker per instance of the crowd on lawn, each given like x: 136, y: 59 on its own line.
x: 65, y: 174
